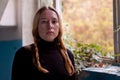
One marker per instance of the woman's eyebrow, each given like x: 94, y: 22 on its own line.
x: 42, y: 18
x: 46, y: 18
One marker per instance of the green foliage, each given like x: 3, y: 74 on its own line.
x: 83, y: 54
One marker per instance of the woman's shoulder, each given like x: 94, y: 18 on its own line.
x: 23, y: 56
x: 71, y: 56
x: 25, y: 50
x: 70, y: 53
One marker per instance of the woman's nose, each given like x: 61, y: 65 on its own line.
x: 50, y: 25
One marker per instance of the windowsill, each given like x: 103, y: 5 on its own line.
x: 111, y: 69
x: 7, y: 26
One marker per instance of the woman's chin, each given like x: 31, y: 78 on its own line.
x: 50, y: 39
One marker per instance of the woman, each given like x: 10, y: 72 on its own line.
x: 47, y: 58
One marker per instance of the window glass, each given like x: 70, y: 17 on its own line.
x: 90, y: 21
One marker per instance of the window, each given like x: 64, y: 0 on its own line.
x: 90, y: 21
x: 114, y: 20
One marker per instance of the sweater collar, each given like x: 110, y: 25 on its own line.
x: 42, y: 44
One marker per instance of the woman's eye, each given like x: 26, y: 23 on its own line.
x: 54, y: 22
x: 44, y: 21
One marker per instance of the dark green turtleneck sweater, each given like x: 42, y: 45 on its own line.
x: 50, y: 58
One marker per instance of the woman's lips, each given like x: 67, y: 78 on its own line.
x: 50, y: 31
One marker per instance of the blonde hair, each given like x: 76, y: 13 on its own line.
x: 68, y: 64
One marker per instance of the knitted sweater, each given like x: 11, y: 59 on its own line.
x: 50, y: 58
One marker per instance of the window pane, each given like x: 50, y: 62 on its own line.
x: 90, y: 21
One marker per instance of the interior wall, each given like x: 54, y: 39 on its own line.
x: 12, y: 37
x: 3, y: 4
x: 7, y: 51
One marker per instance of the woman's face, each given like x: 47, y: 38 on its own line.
x: 48, y: 27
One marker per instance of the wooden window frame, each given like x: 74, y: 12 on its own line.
x: 116, y: 28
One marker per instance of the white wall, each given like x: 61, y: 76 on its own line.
x: 16, y: 22
x: 8, y: 17
x: 3, y: 4
x: 9, y: 27
x: 29, y: 7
